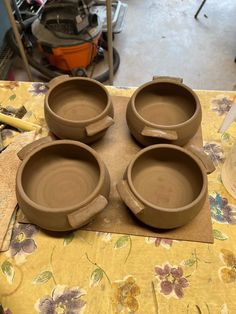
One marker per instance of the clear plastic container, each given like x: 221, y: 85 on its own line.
x: 228, y: 173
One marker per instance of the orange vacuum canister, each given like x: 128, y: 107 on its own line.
x: 68, y: 58
x: 67, y: 40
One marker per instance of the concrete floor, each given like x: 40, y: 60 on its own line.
x: 161, y: 37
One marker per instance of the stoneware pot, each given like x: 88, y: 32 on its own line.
x: 78, y: 108
x: 165, y: 186
x: 163, y: 110
x: 61, y: 185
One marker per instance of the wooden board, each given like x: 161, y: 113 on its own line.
x: 116, y: 149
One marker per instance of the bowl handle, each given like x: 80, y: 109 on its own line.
x: 165, y: 134
x: 83, y: 215
x: 168, y: 79
x: 204, y: 158
x: 56, y: 80
x: 99, y: 126
x: 32, y: 146
x: 128, y: 197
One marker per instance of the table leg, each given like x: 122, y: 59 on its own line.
x: 109, y: 40
x: 199, y: 9
x: 18, y: 38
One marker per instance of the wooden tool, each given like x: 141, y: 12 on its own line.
x: 18, y: 123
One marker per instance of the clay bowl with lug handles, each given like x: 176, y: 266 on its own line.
x: 78, y: 109
x: 61, y: 185
x: 165, y: 186
x: 163, y: 111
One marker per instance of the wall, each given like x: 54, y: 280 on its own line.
x: 4, y: 22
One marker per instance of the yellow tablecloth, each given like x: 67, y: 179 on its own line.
x: 89, y: 272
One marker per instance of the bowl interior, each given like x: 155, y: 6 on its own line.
x: 165, y: 104
x: 77, y: 100
x: 167, y: 178
x: 60, y: 176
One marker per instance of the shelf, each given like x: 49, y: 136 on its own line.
x: 6, y: 57
x: 24, y: 6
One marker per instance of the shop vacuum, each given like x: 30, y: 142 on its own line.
x: 67, y: 35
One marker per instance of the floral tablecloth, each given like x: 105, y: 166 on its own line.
x: 89, y: 272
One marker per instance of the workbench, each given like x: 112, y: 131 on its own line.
x: 94, y: 272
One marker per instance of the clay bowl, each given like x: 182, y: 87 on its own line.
x: 62, y: 185
x: 163, y: 111
x: 78, y: 109
x: 165, y: 186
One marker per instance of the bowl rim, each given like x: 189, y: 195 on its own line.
x: 67, y: 209
x: 76, y: 122
x: 165, y: 209
x: 162, y: 126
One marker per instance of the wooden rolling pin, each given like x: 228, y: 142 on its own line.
x: 18, y: 123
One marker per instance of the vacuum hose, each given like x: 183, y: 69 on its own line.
x: 50, y: 74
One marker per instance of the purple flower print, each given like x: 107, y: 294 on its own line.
x: 166, y: 243
x: 163, y: 242
x: 63, y: 300
x: 38, y: 89
x: 22, y: 239
x: 215, y: 152
x: 221, y: 105
x: 171, y: 280
x: 221, y: 210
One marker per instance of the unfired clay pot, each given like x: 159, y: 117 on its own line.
x: 165, y: 186
x: 78, y: 109
x: 163, y: 110
x: 61, y: 185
